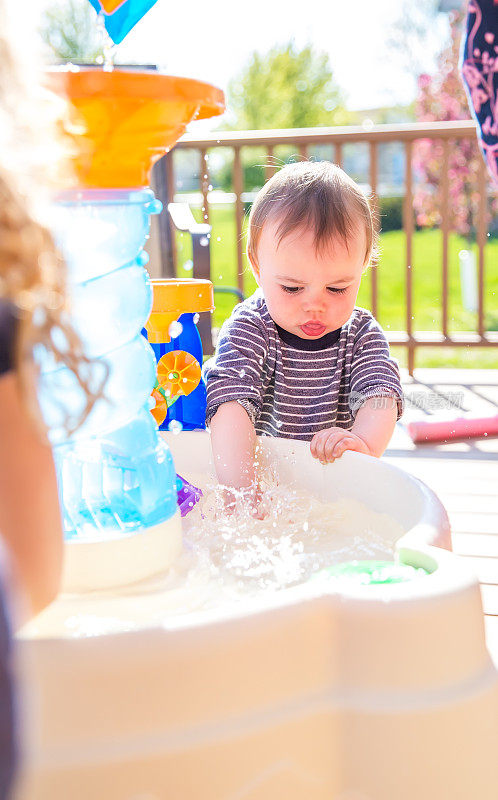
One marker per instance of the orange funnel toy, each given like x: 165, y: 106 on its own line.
x: 126, y: 120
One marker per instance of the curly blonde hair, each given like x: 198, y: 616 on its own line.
x: 32, y: 271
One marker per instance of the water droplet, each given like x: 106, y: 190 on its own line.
x: 188, y: 265
x: 155, y: 206
x: 175, y: 426
x: 175, y: 329
x: 204, y: 241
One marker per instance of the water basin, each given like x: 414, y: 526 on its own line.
x: 319, y: 690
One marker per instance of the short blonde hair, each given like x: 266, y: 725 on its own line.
x: 317, y: 195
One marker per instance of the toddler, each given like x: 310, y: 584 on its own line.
x: 299, y: 359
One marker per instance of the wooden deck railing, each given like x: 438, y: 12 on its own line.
x: 305, y: 139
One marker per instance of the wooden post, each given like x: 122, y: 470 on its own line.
x: 445, y: 228
x: 482, y: 227
x: 204, y: 184
x: 164, y: 189
x: 374, y: 170
x: 238, y: 187
x: 408, y: 228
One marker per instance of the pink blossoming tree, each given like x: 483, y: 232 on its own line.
x: 442, y: 97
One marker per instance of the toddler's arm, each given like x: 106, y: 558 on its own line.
x: 233, y: 440
x: 375, y: 422
x: 375, y: 381
x: 370, y: 434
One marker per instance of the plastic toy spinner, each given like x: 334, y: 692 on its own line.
x: 179, y: 373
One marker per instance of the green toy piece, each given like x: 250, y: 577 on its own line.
x: 366, y: 573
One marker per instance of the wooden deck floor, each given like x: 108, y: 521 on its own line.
x: 464, y: 475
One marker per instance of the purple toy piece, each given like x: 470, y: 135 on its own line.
x: 188, y: 495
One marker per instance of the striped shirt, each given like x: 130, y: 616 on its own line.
x: 293, y: 387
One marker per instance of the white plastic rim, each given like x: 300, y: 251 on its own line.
x: 104, y: 564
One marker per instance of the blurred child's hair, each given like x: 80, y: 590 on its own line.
x: 317, y: 195
x: 32, y: 272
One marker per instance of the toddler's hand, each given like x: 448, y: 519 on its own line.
x: 329, y: 444
x: 249, y: 500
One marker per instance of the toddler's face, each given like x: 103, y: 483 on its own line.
x: 307, y: 293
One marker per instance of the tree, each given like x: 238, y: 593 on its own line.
x: 416, y: 35
x: 70, y: 32
x: 286, y: 88
x: 442, y: 97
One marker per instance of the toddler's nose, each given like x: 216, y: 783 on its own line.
x: 314, y: 302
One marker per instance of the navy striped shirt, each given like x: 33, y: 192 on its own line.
x: 293, y: 387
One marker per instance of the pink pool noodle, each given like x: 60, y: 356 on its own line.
x: 447, y: 430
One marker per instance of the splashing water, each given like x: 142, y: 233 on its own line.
x: 175, y: 329
x: 298, y: 536
x: 232, y: 556
x: 108, y: 47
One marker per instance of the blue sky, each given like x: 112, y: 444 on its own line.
x: 213, y: 40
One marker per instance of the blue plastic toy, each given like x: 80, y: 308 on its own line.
x: 116, y: 474
x: 180, y: 392
x: 120, y: 17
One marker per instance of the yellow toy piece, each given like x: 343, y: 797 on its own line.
x: 173, y: 297
x: 111, y: 5
x: 178, y: 373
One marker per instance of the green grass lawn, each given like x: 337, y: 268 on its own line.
x: 427, y: 287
